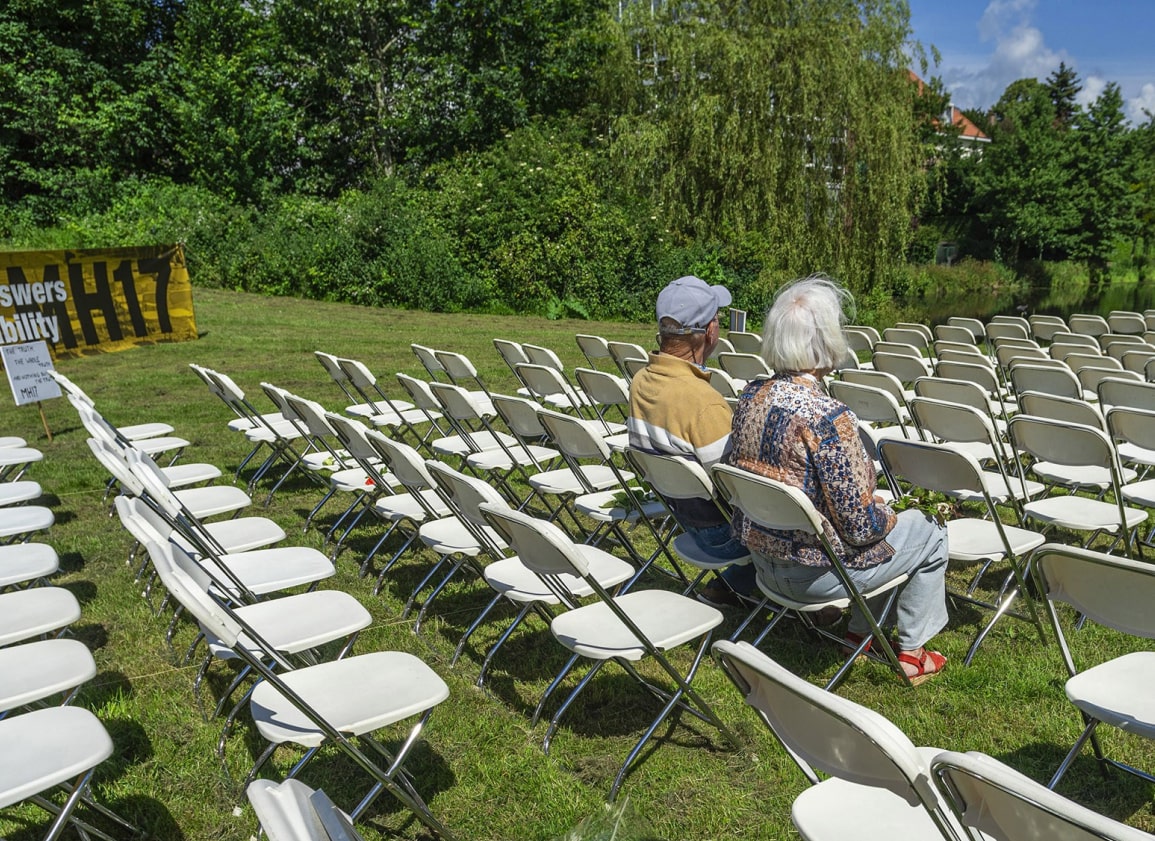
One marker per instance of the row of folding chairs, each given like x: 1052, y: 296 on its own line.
x: 49, y: 750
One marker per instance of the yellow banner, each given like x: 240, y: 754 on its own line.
x: 97, y: 299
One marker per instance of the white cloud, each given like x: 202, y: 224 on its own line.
x: 1020, y: 52
x: 1092, y: 87
x: 1144, y: 102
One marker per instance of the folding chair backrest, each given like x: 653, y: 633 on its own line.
x: 511, y: 352
x: 141, y: 521
x: 1118, y: 392
x: 357, y: 373
x: 457, y: 366
x: 898, y: 348
x: 770, y: 504
x: 980, y: 374
x: 632, y: 365
x: 1077, y: 361
x: 1135, y: 426
x: 592, y: 347
x: 1009, y: 330
x: 907, y: 335
x: 674, y: 477
x: 1110, y: 340
x: 291, y: 811
x: 604, y: 388
x: 428, y: 359
x: 1113, y: 591
x: 404, y: 462
x: 573, y: 437
x: 953, y: 333
x: 936, y: 467
x: 961, y: 392
x: 1126, y: 323
x: 520, y: 416
x: 1068, y: 338
x: 861, y: 337
x: 878, y: 379
x: 976, y: 328
x: 1089, y: 377
x: 745, y: 342
x: 1134, y: 358
x: 419, y: 392
x: 1058, y: 381
x: 541, y: 546
x: 1068, y: 409
x: 351, y: 433
x: 952, y: 420
x: 965, y: 349
x: 539, y: 355
x: 1043, y: 327
x: 824, y: 731
x: 868, y: 403
x: 743, y: 366
x: 1004, y: 805
x: 724, y: 346
x: 1061, y: 442
x: 906, y: 369
x: 313, y: 416
x: 626, y: 350
x: 1088, y: 325
x: 1003, y: 318
x: 455, y: 401
x: 723, y: 383
x: 468, y: 493
x: 545, y: 381
x: 191, y: 597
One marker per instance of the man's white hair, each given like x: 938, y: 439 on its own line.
x: 803, y: 327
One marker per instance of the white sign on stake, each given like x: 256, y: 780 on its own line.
x: 28, y: 366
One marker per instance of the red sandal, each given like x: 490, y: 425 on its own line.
x: 937, y: 661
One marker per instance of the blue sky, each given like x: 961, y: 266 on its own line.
x: 987, y: 44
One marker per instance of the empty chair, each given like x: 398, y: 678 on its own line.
x: 1059, y: 381
x: 621, y: 351
x: 744, y: 366
x: 1081, y: 339
x: 1134, y: 359
x: 745, y: 342
x: 875, y: 407
x: 861, y: 337
x: 594, y: 348
x: 291, y: 811
x: 906, y: 369
x: 1115, y: 593
x: 953, y: 333
x: 980, y: 541
x: 975, y: 327
x: 1003, y: 805
x: 1090, y: 377
x: 1043, y: 327
x: 551, y: 387
x: 1126, y: 323
x: 362, y: 406
x: 1088, y: 324
x: 388, y: 413
x: 1075, y: 457
x: 1008, y: 330
x: 878, y: 785
x: 624, y: 628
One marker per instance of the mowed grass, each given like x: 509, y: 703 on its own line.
x: 480, y: 764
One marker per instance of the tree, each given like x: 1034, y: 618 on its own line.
x: 1063, y: 86
x: 1022, y: 186
x: 1102, y: 181
x: 787, y: 122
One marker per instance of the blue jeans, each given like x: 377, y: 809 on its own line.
x: 920, y: 551
x: 718, y: 542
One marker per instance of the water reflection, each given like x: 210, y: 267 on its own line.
x: 1061, y: 297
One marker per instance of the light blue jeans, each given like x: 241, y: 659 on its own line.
x: 718, y: 542
x: 920, y: 551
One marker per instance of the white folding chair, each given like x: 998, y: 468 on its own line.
x: 1088, y: 324
x: 997, y: 803
x: 328, y: 703
x: 621, y: 351
x: 1116, y: 593
x: 745, y: 342
x: 879, y: 786
x: 981, y: 540
x: 779, y: 507
x: 291, y: 811
x: 623, y: 628
x: 594, y: 348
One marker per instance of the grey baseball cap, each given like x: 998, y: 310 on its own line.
x: 692, y: 302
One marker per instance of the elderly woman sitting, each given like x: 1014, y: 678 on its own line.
x: 788, y: 429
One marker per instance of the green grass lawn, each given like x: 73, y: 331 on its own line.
x: 480, y: 765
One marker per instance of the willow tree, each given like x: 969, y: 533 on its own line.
x: 785, y: 122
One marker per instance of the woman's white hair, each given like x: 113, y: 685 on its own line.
x: 803, y: 327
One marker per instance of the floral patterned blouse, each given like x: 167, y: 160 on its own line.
x: 786, y: 428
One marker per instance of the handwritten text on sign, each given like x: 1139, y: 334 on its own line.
x: 28, y: 366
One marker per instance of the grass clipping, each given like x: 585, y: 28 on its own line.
x: 615, y: 822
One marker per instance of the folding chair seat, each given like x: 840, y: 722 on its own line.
x: 14, y: 461
x: 1115, y: 593
x: 609, y: 498
x: 1088, y: 324
x: 291, y: 811
x: 745, y: 341
x: 971, y: 540
x: 34, y: 671
x: 878, y: 786
x: 623, y: 628
x: 329, y: 703
x: 1077, y: 458
x: 621, y: 351
x: 7, y: 441
x: 23, y: 564
x: 780, y: 507
x: 594, y: 348
x: 744, y: 366
x: 1126, y: 323
x: 36, y: 612
x: 1044, y: 327
x: 59, y: 746
x: 18, y: 523
x: 998, y: 803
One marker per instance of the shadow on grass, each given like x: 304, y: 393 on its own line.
x: 85, y: 591
x: 93, y: 635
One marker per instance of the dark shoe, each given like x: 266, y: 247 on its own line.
x: 716, y: 594
x: 826, y: 617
